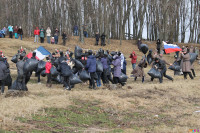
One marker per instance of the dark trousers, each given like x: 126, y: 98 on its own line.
x: 42, y: 39
x: 64, y: 42
x: 193, y: 72
x: 66, y: 82
x: 102, y: 42
x: 116, y: 80
x: 104, y: 76
x: 37, y: 74
x: 163, y: 74
x: 158, y: 49
x: 97, y: 42
x: 92, y: 83
x: 2, y: 86
x: 48, y: 78
x: 110, y: 78
x: 186, y: 73
x: 56, y: 39
x: 10, y: 34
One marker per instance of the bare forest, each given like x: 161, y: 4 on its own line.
x: 118, y: 19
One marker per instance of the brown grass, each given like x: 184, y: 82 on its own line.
x: 171, y: 101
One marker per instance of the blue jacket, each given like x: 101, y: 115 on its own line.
x: 91, y: 64
x: 10, y: 28
x: 104, y: 61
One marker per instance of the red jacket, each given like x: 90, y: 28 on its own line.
x: 37, y: 31
x: 133, y: 57
x: 48, y: 67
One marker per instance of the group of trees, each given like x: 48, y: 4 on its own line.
x: 118, y: 19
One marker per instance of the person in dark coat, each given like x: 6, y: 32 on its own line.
x: 91, y: 67
x: 20, y: 32
x: 66, y: 73
x: 97, y: 36
x: 42, y: 35
x: 99, y: 73
x: 21, y: 85
x: 56, y: 34
x: 161, y: 66
x: 139, y: 42
x: 185, y: 63
x: 117, y: 68
x: 158, y: 46
x: 104, y: 61
x: 37, y: 74
x: 61, y: 58
x: 103, y: 38
x: 64, y: 38
x: 139, y: 70
x: 3, y: 69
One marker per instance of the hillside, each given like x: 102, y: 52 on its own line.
x: 136, y: 107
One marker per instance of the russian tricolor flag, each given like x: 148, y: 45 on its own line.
x: 41, y: 53
x: 170, y: 48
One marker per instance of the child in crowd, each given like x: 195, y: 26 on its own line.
x: 52, y: 40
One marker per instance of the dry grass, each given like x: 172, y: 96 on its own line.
x: 171, y: 103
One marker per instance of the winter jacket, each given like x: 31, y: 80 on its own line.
x: 139, y: 70
x: 10, y: 28
x: 133, y: 57
x: 117, y: 67
x: 20, y: 66
x: 104, y: 61
x: 48, y: 31
x: 158, y: 44
x: 64, y: 36
x: 60, y: 59
x: 3, y: 69
x: 91, y: 64
x: 42, y: 33
x: 161, y: 65
x: 97, y: 36
x: 48, y: 67
x: 65, y: 69
x: 20, y: 31
x: 186, y: 65
x: 75, y: 27
x: 103, y: 36
x: 15, y: 30
x: 56, y: 33
x: 37, y: 31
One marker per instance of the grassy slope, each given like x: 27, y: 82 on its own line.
x: 131, y: 109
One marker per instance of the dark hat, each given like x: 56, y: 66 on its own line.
x: 90, y: 52
x: 21, y: 57
x: 47, y: 58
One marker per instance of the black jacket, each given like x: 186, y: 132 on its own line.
x: 3, y: 69
x: 160, y: 65
x: 20, y: 31
x: 65, y: 69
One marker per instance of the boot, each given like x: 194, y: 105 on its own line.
x: 47, y: 85
x: 142, y: 79
x: 135, y: 78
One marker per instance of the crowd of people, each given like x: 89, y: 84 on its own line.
x: 87, y: 65
x: 52, y: 37
x: 16, y: 31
